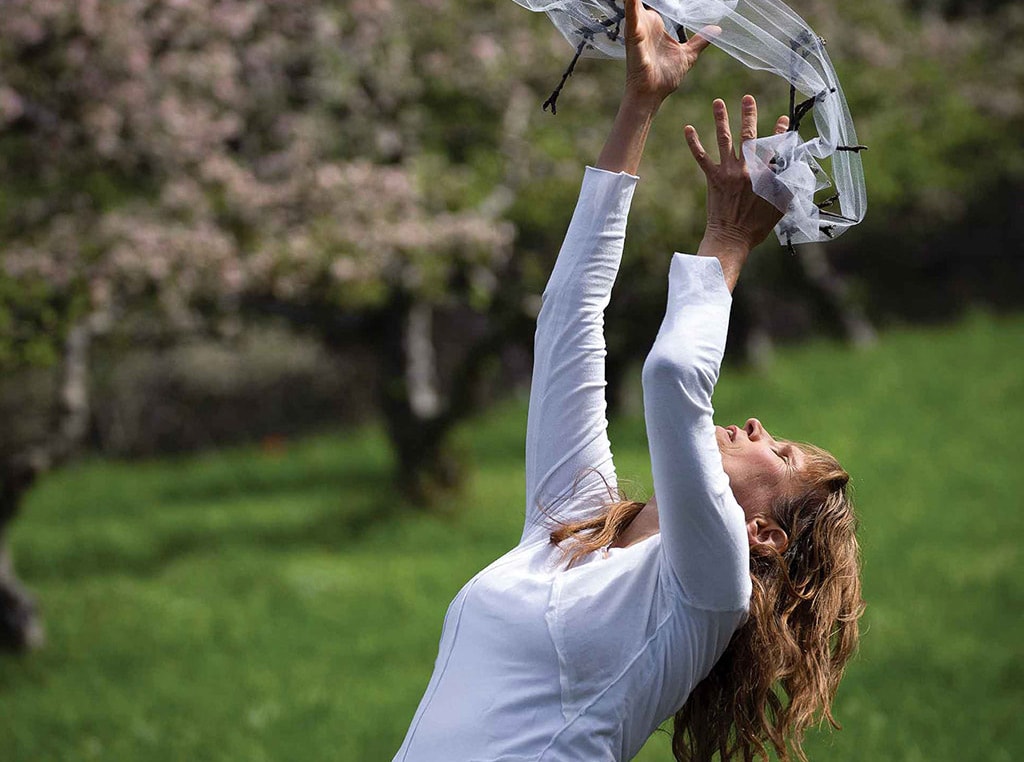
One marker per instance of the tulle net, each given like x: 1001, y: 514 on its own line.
x: 765, y: 35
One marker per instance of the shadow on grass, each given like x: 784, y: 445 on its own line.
x: 309, y: 520
x: 231, y: 476
x: 85, y: 487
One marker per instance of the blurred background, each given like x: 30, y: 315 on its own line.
x: 268, y: 276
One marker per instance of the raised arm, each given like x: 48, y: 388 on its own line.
x: 656, y: 64
x: 568, y: 457
x: 704, y: 536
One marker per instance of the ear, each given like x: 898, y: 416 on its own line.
x: 762, y: 530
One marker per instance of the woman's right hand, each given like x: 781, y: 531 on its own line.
x: 655, y: 65
x: 655, y: 61
x: 738, y: 219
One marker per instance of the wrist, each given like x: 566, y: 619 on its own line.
x: 625, y: 145
x: 640, y: 103
x: 729, y: 248
x: 728, y: 236
x: 736, y: 252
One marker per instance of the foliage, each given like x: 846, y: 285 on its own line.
x: 188, y: 154
x: 195, y: 152
x: 342, y: 163
x: 263, y: 386
x: 248, y: 604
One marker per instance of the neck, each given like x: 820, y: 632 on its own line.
x: 643, y: 526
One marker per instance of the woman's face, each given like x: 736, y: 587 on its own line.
x: 759, y: 467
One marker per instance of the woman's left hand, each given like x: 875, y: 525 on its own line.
x: 656, y: 62
x: 738, y: 219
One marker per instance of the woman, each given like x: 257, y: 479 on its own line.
x: 731, y: 600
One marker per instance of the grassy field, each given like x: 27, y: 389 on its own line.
x: 283, y: 605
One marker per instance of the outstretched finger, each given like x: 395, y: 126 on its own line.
x: 722, y: 129
x: 782, y: 125
x: 693, y: 141
x: 748, y: 124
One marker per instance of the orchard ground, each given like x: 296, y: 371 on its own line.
x: 282, y: 604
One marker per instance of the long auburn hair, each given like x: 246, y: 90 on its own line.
x: 782, y: 667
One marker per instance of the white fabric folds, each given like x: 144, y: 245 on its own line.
x: 765, y: 35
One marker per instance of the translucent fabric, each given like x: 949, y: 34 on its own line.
x: 765, y: 35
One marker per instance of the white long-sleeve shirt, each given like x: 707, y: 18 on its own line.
x: 542, y: 662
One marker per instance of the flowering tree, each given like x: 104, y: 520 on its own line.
x: 173, y: 163
x: 358, y: 168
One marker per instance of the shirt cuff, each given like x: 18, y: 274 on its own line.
x: 603, y: 205
x: 598, y: 171
x: 698, y: 280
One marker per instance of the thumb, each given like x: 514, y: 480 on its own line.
x: 632, y: 9
x: 703, y: 38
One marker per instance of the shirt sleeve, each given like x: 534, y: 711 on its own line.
x: 704, y: 538
x: 569, y: 465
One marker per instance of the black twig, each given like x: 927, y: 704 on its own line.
x: 855, y: 149
x: 804, y: 107
x: 794, y: 45
x: 620, y: 14
x: 613, y: 35
x: 553, y: 98
x: 800, y: 112
x: 834, y: 216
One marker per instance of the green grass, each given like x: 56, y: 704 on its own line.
x: 251, y: 605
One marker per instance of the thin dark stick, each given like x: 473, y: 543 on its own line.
x: 614, y: 34
x: 800, y: 112
x: 792, y: 108
x: 553, y: 98
x: 834, y: 216
x: 620, y: 14
x: 794, y: 45
x: 855, y: 149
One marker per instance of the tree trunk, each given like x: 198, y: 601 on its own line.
x: 415, y: 416
x: 750, y: 341
x: 421, y: 362
x: 418, y: 417
x: 835, y: 292
x: 20, y: 626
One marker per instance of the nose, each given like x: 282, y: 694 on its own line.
x: 754, y: 429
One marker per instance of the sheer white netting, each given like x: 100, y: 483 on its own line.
x: 765, y: 35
